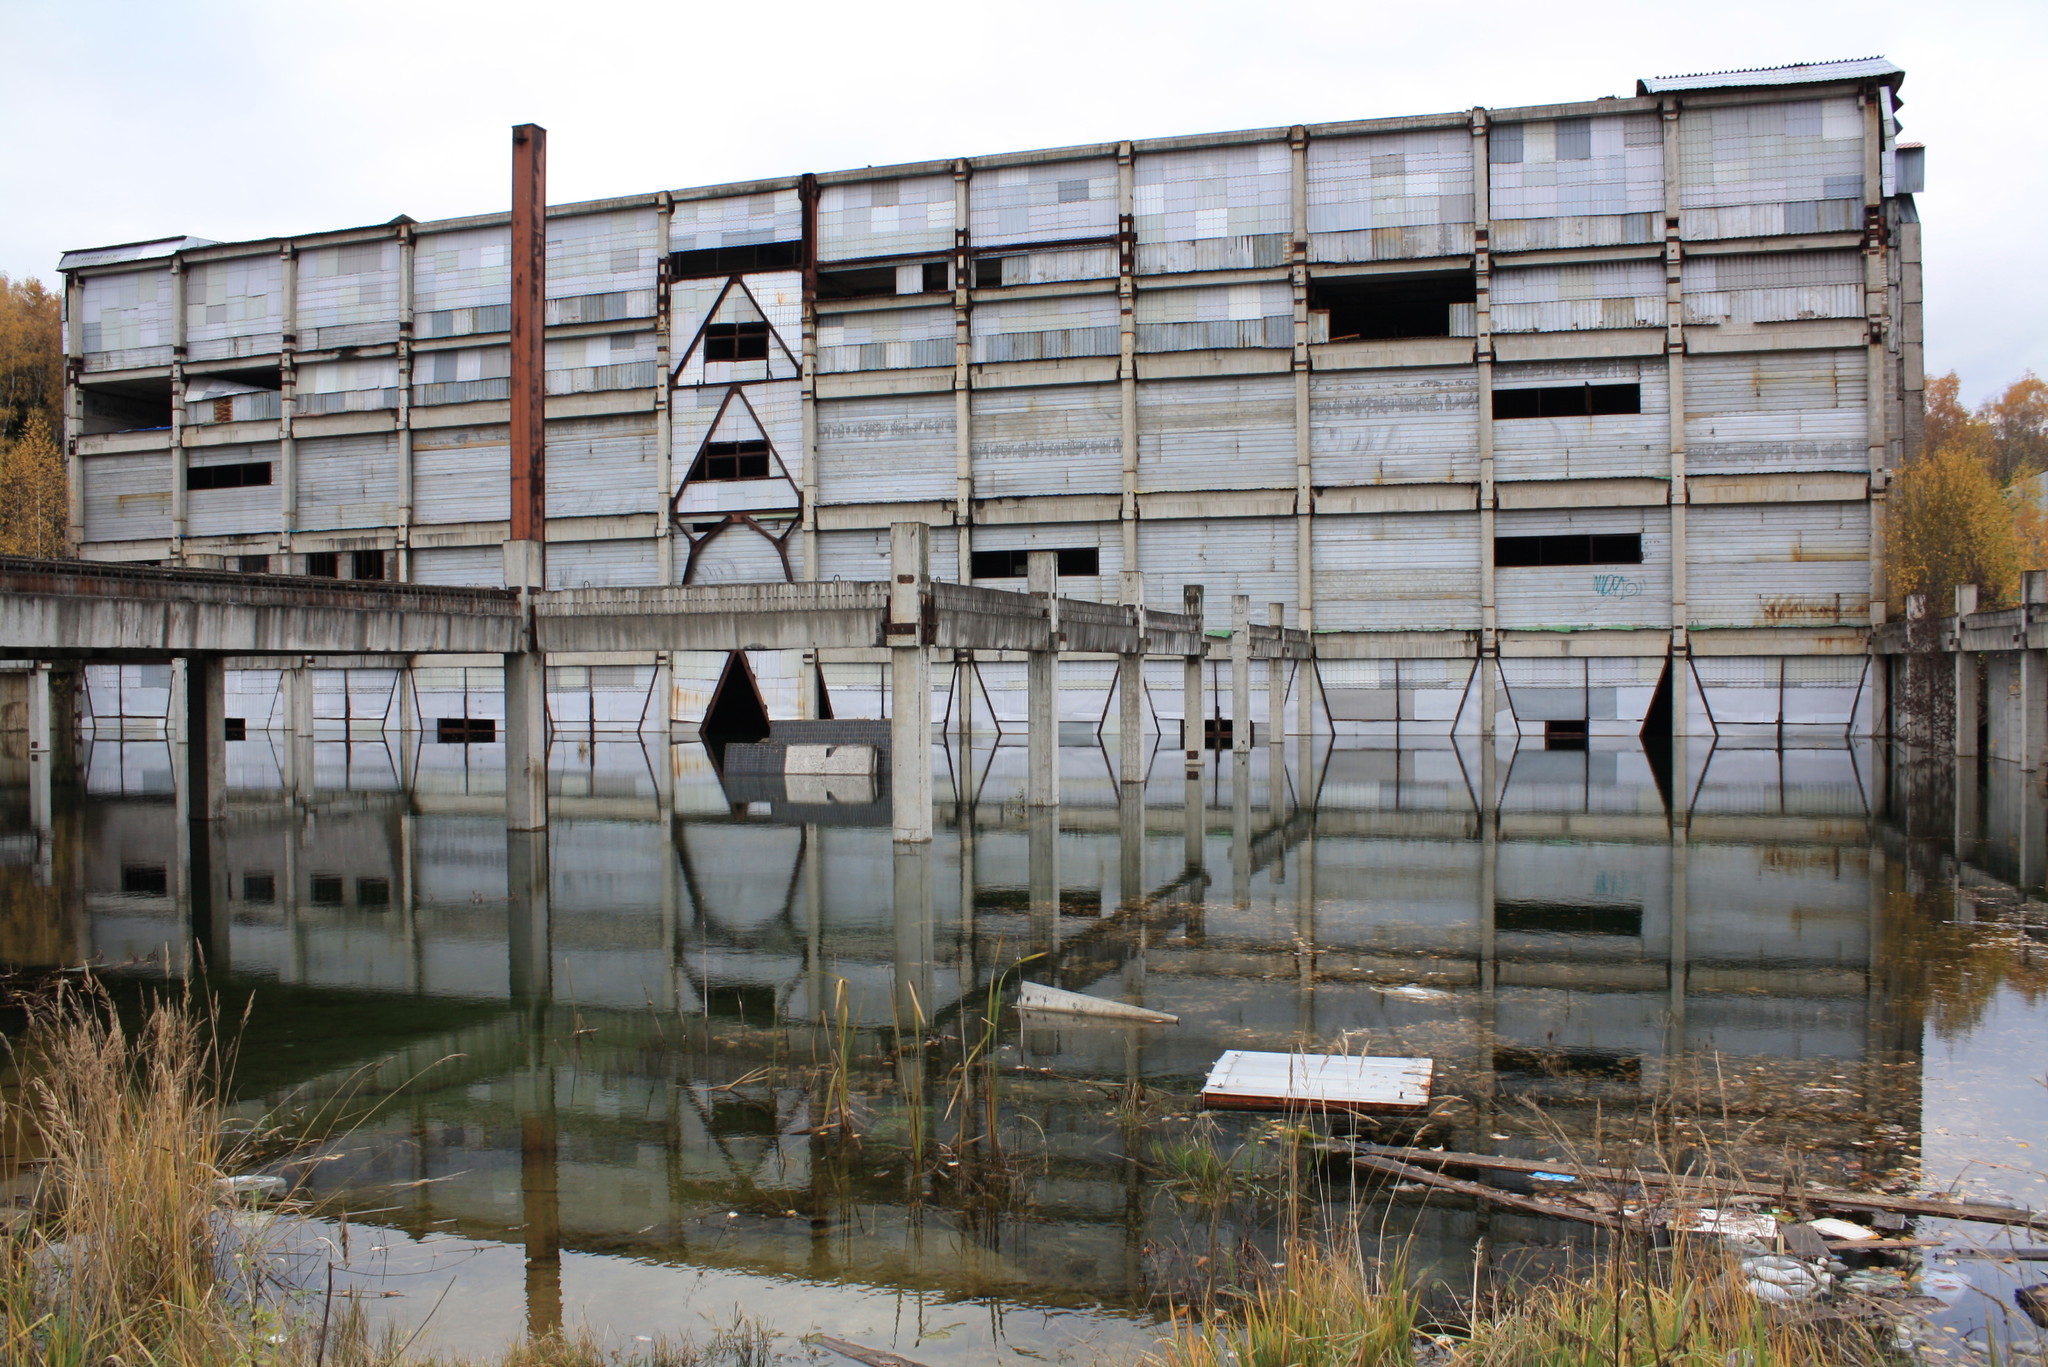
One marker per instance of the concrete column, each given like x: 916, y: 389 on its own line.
x: 529, y: 919
x: 1241, y: 828
x: 42, y: 752
x: 1130, y: 687
x: 1193, y: 820
x: 526, y: 741
x: 297, y: 684
x: 910, y: 682
x: 1240, y: 674
x: 1966, y: 676
x: 206, y: 746
x: 662, y: 691
x: 1043, y: 859
x: 1276, y: 678
x: 1042, y: 682
x: 2031, y: 726
x: 1192, y: 726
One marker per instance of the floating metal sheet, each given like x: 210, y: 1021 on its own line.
x: 1243, y: 1080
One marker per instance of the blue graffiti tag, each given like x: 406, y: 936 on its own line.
x: 1616, y: 586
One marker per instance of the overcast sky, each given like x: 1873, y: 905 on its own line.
x: 230, y: 120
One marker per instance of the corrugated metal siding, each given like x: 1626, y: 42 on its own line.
x: 1044, y: 268
x: 348, y: 481
x: 1059, y: 440
x: 740, y: 555
x: 1587, y: 595
x: 1384, y: 571
x: 348, y: 295
x: 740, y: 221
x: 126, y: 319
x: 1045, y: 329
x: 602, y: 253
x: 1615, y: 294
x: 885, y: 217
x: 1390, y: 196
x: 462, y: 375
x: 1779, y: 564
x: 1223, y: 316
x: 348, y: 386
x: 1776, y: 410
x: 1622, y: 444
x: 1213, y: 208
x: 886, y: 339
x: 462, y: 474
x: 601, y: 564
x: 886, y: 450
x: 1226, y: 433
x: 1106, y: 537
x: 1249, y: 555
x: 1789, y: 166
x: 1773, y: 289
x: 234, y: 308
x: 483, y: 566
x: 1396, y: 426
x: 1047, y: 202
x: 599, y: 467
x: 226, y: 512
x: 468, y: 269
x: 127, y: 496
x: 1576, y: 182
x: 864, y: 556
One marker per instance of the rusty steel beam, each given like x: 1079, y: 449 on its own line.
x: 529, y: 345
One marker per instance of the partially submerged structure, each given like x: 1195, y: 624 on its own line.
x: 1560, y: 418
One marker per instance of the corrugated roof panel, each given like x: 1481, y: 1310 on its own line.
x: 1803, y: 73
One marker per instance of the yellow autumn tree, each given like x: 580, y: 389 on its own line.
x: 33, y: 493
x: 1950, y: 519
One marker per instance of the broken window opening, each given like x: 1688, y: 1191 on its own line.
x: 754, y: 256
x: 1568, y: 548
x: 731, y: 460
x: 234, y: 728
x: 149, y: 880
x: 860, y: 283
x: 1568, y: 918
x: 244, y: 476
x: 988, y: 272
x: 366, y: 564
x: 1568, y: 401
x: 323, y: 564
x: 253, y: 564
x: 259, y: 887
x: 937, y: 278
x: 1566, y: 734
x: 325, y: 890
x: 1077, y: 560
x: 466, y: 731
x: 1375, y: 308
x: 736, y: 341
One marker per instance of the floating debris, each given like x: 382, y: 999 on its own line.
x: 1245, y: 1080
x: 1039, y: 997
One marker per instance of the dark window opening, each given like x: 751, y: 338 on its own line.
x: 1563, y: 1062
x: 1076, y: 560
x: 1565, y: 734
x: 325, y: 890
x: 373, y: 892
x: 1378, y: 307
x: 729, y: 460
x: 243, y: 476
x: 366, y: 564
x: 145, y: 879
x: 259, y: 887
x: 1568, y: 918
x: 736, y: 712
x: 235, y: 728
x: 936, y: 277
x: 754, y: 256
x: 1218, y: 733
x: 860, y: 283
x: 1568, y: 401
x: 1523, y: 552
x: 736, y: 341
x: 466, y: 731
x: 253, y: 564
x: 138, y: 407
x: 324, y: 564
x: 988, y: 272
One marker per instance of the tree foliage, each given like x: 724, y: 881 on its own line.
x: 33, y: 492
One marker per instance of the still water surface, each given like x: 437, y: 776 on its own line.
x: 609, y: 1076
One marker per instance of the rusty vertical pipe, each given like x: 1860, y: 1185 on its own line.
x: 529, y: 344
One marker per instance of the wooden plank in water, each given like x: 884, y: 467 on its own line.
x: 1245, y: 1080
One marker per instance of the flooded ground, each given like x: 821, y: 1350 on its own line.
x: 714, y: 1049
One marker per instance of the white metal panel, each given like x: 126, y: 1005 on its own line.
x: 1776, y: 410
x: 1388, y: 571
x: 600, y: 467
x: 127, y: 497
x: 348, y: 481
x: 1608, y: 165
x: 126, y: 319
x: 1043, y: 202
x: 467, y: 269
x: 602, y: 253
x: 1778, y: 564
x: 227, y: 512
x: 1231, y: 432
x: 1238, y: 200
x: 1046, y: 328
x: 885, y: 217
x: 1784, y: 166
x: 737, y: 554
x: 483, y: 566
x: 1552, y: 596
x: 1106, y: 537
x: 1224, y: 316
x: 1394, y: 426
x: 1616, y: 445
x: 1065, y: 439
x: 462, y: 474
x: 624, y: 563
x: 234, y: 307
x: 886, y: 450
x: 1242, y: 1079
x: 1248, y: 555
x: 348, y: 386
x: 863, y: 556
x: 1390, y: 195
x: 348, y: 294
x: 737, y: 221
x: 1773, y: 289
x: 1613, y: 294
x: 1044, y: 268
x: 885, y: 339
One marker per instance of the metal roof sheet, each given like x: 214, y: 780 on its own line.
x: 131, y: 251
x: 1802, y: 73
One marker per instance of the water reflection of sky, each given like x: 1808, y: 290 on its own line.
x: 565, y: 1023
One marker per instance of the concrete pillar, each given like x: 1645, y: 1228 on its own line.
x: 42, y: 752
x: 1966, y: 676
x: 1130, y: 687
x: 1240, y: 674
x: 208, y: 887
x: 1043, y: 858
x: 297, y: 685
x: 1192, y: 726
x: 2032, y: 723
x: 526, y: 741
x: 1193, y: 819
x: 206, y: 747
x: 661, y: 693
x: 1276, y: 678
x: 910, y: 682
x: 176, y: 725
x: 1241, y: 828
x: 1042, y: 681
x: 529, y: 917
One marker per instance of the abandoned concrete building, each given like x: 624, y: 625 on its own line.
x: 1575, y: 412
